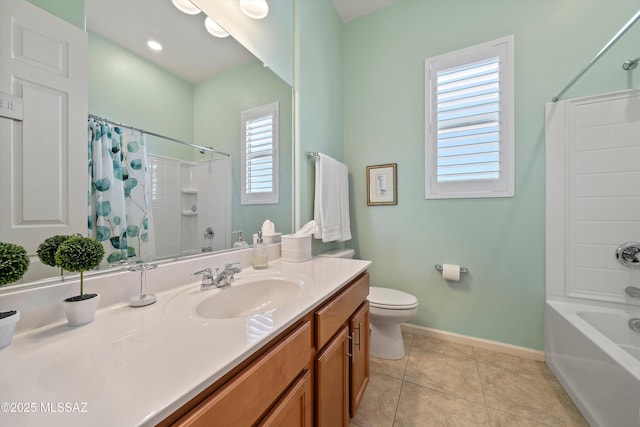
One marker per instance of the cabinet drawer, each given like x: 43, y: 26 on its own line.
x: 246, y: 397
x: 336, y: 313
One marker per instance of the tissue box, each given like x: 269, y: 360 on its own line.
x: 295, y: 248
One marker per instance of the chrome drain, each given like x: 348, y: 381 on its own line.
x: 634, y: 324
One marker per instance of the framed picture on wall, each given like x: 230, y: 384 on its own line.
x: 382, y: 184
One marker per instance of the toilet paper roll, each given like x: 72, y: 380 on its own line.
x: 451, y: 272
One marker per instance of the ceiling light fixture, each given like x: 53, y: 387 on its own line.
x: 256, y: 9
x: 186, y: 6
x: 154, y: 45
x: 214, y: 29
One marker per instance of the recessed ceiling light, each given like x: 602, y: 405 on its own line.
x: 186, y: 6
x: 214, y: 29
x: 154, y: 45
x: 256, y: 9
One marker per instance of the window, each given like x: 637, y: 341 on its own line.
x: 259, y: 155
x: 469, y: 134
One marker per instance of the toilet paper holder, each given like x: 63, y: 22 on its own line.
x: 462, y: 269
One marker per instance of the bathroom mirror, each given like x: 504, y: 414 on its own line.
x: 197, y: 108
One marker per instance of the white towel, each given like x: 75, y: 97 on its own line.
x: 331, y: 204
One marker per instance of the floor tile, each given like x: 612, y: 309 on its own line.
x: 378, y: 405
x: 440, y: 383
x: 420, y: 406
x: 532, y: 397
x: 392, y: 368
x: 504, y: 419
x: 512, y: 363
x: 449, y: 374
x: 444, y: 347
x: 408, y: 338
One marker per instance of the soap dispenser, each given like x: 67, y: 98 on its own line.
x: 260, y: 259
x: 240, y: 243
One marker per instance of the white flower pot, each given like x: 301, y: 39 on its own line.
x: 81, y: 312
x: 7, y: 327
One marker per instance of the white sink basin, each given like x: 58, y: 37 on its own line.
x: 246, y: 299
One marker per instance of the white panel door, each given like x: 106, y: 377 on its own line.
x: 43, y: 158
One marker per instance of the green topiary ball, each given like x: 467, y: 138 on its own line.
x: 79, y: 254
x: 47, y: 249
x: 14, y: 262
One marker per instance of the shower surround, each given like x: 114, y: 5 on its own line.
x: 187, y: 198
x: 593, y: 207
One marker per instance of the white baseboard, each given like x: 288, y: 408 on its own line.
x: 513, y: 350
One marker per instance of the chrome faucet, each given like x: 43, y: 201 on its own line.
x: 221, y: 279
x: 226, y: 276
x: 207, y: 278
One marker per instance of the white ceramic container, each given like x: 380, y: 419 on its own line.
x: 81, y: 312
x: 7, y: 327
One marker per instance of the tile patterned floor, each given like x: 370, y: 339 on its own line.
x: 440, y: 383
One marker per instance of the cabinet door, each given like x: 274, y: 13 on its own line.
x: 359, y: 367
x: 332, y: 382
x: 295, y: 409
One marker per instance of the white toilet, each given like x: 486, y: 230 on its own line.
x: 388, y: 308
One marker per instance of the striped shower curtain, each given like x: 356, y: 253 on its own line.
x: 119, y: 193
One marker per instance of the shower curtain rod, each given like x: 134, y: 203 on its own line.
x: 606, y: 47
x: 199, y: 147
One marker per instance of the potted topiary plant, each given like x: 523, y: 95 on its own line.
x: 47, y: 250
x: 79, y: 254
x: 13, y: 264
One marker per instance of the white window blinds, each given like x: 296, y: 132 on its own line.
x: 469, y: 123
x: 259, y: 146
x: 468, y: 109
x: 259, y: 155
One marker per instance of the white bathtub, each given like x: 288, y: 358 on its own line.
x: 596, y: 357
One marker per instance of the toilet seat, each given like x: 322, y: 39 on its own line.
x: 391, y: 299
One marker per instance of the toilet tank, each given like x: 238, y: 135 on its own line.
x: 339, y: 253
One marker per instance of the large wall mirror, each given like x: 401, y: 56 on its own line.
x: 193, y: 90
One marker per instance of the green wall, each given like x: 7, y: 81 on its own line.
x: 218, y: 103
x: 319, y: 102
x: 128, y: 89
x: 501, y: 241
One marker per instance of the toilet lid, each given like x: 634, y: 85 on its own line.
x: 391, y: 298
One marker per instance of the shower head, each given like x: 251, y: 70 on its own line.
x: 630, y: 64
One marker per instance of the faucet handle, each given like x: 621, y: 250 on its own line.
x: 207, y: 273
x: 230, y: 266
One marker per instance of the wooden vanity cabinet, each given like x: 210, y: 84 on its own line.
x: 342, y: 364
x: 312, y: 374
x: 359, y: 368
x: 332, y: 382
x: 267, y: 384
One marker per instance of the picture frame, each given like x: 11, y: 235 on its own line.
x: 382, y: 187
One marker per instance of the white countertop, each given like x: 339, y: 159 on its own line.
x: 135, y: 366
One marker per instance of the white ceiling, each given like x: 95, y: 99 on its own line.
x: 189, y: 51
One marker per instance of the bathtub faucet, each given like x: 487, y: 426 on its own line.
x: 632, y: 291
